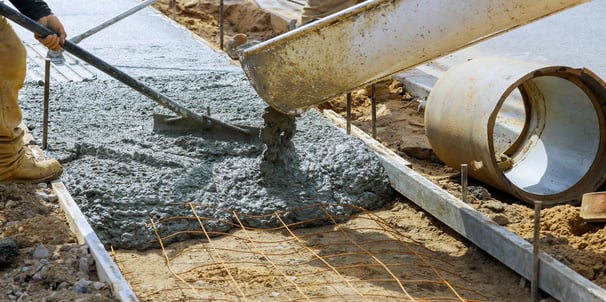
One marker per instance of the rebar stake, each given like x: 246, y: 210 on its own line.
x: 534, y: 284
x: 221, y: 24
x: 174, y: 7
x: 348, y: 110
x: 464, y: 182
x: 373, y: 101
x: 47, y: 62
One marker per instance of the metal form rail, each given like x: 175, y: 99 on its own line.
x: 555, y: 278
x: 107, y: 269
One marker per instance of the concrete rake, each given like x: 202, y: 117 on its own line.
x: 187, y: 121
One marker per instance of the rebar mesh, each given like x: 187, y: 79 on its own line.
x: 362, y: 259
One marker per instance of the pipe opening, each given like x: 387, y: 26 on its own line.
x: 510, y: 124
x: 554, y: 130
x: 535, y: 131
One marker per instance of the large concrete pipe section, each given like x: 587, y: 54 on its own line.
x: 535, y: 131
x: 375, y: 39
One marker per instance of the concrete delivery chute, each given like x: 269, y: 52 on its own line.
x: 375, y: 39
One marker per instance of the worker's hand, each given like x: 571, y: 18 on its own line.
x: 52, y: 42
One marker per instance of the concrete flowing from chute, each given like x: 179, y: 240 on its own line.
x: 122, y: 174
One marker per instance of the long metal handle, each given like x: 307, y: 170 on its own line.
x: 111, y: 21
x: 161, y: 99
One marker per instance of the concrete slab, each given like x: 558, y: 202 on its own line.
x: 71, y: 70
x: 144, y: 44
x: 290, y: 9
x: 417, y: 82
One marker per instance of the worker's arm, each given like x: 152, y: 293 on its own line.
x: 39, y: 11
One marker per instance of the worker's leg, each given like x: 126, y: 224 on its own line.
x: 12, y: 75
x: 15, y: 164
x: 316, y: 9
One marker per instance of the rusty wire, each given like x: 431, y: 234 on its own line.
x: 335, y: 262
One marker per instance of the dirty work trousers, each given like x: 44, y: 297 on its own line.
x: 316, y: 9
x: 12, y: 76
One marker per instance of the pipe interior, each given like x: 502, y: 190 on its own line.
x: 510, y: 123
x: 550, y: 129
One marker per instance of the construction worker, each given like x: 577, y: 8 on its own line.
x: 316, y: 9
x: 17, y: 163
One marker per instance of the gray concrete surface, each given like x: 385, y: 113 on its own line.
x: 122, y: 174
x: 144, y: 44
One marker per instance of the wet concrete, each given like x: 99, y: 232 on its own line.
x: 122, y: 174
x: 277, y: 133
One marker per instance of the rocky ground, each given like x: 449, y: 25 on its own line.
x: 40, y: 258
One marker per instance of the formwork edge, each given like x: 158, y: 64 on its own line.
x: 555, y: 278
x: 107, y: 270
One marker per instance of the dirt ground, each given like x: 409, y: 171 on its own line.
x: 31, y: 216
x: 50, y: 265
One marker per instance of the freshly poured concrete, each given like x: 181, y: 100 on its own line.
x: 121, y: 173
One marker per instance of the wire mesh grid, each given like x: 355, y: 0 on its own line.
x: 347, y: 258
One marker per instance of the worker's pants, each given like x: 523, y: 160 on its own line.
x: 12, y: 76
x: 316, y: 9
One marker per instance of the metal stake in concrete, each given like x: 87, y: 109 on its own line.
x: 348, y: 110
x: 373, y: 100
x: 464, y: 182
x: 47, y: 62
x: 174, y: 6
x: 221, y: 24
x: 534, y: 284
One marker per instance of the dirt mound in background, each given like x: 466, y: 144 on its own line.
x: 202, y: 18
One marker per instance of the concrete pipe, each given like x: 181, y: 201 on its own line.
x: 532, y: 130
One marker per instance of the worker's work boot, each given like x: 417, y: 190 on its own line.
x: 17, y: 161
x: 32, y: 170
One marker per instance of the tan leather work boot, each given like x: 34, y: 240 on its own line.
x: 35, y: 171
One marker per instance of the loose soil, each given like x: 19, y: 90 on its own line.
x: 34, y: 219
x: 50, y: 265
